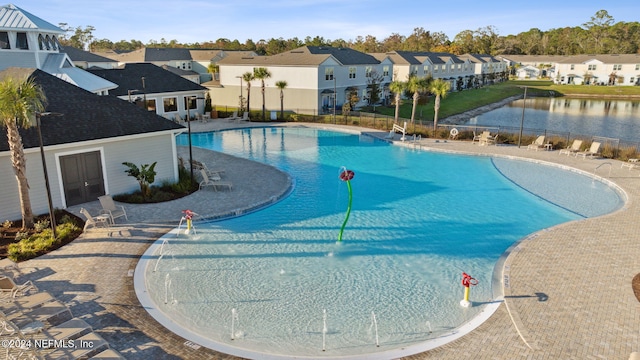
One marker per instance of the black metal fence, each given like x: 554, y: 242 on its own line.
x: 611, y: 148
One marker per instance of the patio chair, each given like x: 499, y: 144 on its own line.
x: 94, y: 220
x: 574, y: 148
x: 9, y: 286
x: 233, y: 116
x: 592, y: 152
x: 537, y: 144
x: 245, y: 116
x: 110, y: 208
x: 25, y: 303
x: 51, y: 313
x: 213, y: 174
x: 476, y: 137
x: 631, y: 164
x: 206, y: 181
x: 68, y: 330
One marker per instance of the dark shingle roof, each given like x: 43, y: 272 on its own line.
x: 166, y: 54
x: 86, y: 116
x: 345, y: 56
x: 156, y: 79
x: 81, y: 55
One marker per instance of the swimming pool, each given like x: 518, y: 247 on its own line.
x: 277, y: 281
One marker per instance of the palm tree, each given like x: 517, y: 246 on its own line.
x: 213, y: 69
x: 440, y: 89
x: 20, y: 99
x: 262, y: 74
x: 416, y: 85
x: 248, y: 78
x: 397, y: 87
x: 281, y: 85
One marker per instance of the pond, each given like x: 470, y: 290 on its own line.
x: 618, y: 119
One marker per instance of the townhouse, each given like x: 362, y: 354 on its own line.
x: 319, y: 79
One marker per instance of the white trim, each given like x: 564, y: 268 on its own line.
x: 63, y: 198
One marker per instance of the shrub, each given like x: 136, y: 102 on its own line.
x: 42, y: 242
x: 41, y: 225
x: 21, y: 235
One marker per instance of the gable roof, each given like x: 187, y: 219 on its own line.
x: 152, y: 55
x: 76, y: 54
x: 13, y: 17
x: 156, y: 79
x: 306, y: 55
x: 86, y: 116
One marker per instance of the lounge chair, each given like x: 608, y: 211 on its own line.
x: 631, y: 164
x: 68, y: 330
x: 25, y: 303
x: 51, y: 313
x: 9, y: 286
x: 110, y: 208
x: 213, y: 174
x: 245, y: 116
x: 94, y: 220
x: 476, y: 138
x: 206, y: 181
x: 108, y: 354
x: 573, y: 149
x: 537, y: 144
x: 233, y: 116
x: 592, y: 152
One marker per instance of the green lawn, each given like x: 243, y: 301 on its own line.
x: 459, y: 102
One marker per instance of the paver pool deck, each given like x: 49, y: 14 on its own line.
x: 567, y: 289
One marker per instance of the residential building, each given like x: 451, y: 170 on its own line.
x: 28, y: 41
x: 203, y: 58
x: 86, y: 139
x: 319, y: 79
x: 156, y: 89
x: 85, y: 59
x: 605, y: 69
x: 487, y: 69
x: 178, y: 58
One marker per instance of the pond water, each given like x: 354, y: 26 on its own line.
x: 618, y: 119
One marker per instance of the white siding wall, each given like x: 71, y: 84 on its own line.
x: 138, y: 150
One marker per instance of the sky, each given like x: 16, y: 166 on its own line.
x: 191, y: 21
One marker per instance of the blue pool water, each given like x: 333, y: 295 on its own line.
x: 278, y: 282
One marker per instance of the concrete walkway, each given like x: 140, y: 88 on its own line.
x: 567, y: 289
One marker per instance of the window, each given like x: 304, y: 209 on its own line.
x: 385, y: 70
x: 151, y: 105
x: 4, y: 40
x: 41, y: 43
x: 190, y: 102
x: 592, y: 67
x: 328, y: 73
x: 22, y: 42
x: 617, y: 67
x: 632, y: 80
x: 435, y: 68
x: 170, y: 104
x: 426, y: 69
x: 637, y: 66
x: 352, y: 72
x: 573, y: 67
x: 368, y: 70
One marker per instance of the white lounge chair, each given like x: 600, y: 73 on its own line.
x: 213, y: 174
x: 110, y: 208
x: 573, y: 149
x: 537, y: 144
x: 592, y: 152
x: 9, y: 286
x: 631, y: 164
x: 476, y: 137
x: 206, y: 181
x: 233, y: 116
x: 93, y: 221
x: 245, y: 116
x: 26, y: 303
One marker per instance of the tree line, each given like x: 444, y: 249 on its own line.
x: 600, y: 35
